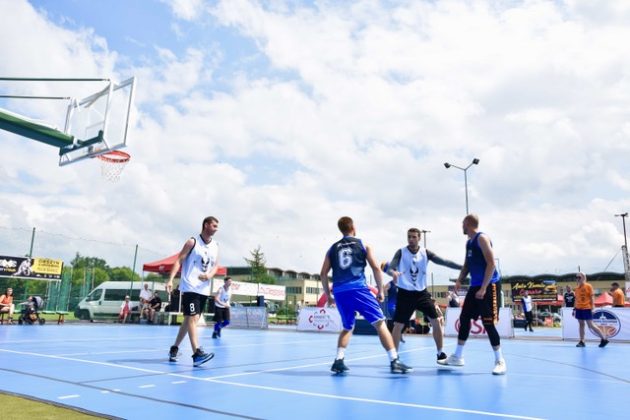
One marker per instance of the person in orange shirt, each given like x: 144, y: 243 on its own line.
x: 619, y: 299
x: 583, y: 311
x: 6, y: 304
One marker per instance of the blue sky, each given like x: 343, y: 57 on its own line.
x: 280, y: 117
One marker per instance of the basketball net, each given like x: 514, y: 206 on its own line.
x: 113, y: 163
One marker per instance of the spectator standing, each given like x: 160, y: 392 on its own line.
x: 583, y: 311
x: 526, y: 301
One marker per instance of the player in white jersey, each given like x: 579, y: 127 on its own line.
x: 199, y: 261
x: 222, y: 307
x: 408, y: 269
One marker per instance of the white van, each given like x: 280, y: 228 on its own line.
x: 105, y: 300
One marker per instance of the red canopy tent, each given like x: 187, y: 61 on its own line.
x: 165, y: 265
x: 603, y: 300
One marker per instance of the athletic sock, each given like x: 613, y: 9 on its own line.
x: 439, y: 351
x: 341, y: 352
x: 393, y: 354
x: 498, y: 355
x: 459, y: 350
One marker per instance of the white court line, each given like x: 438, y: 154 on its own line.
x: 375, y: 356
x: 147, y: 386
x: 290, y: 391
x: 161, y: 350
x: 65, y: 397
x: 179, y: 382
x: 382, y: 402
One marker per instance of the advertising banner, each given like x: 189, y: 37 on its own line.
x: 269, y: 291
x: 319, y: 319
x: 504, y: 326
x: 272, y: 291
x: 538, y: 290
x: 616, y: 322
x: 31, y: 268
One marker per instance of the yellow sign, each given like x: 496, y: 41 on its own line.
x: 47, y: 266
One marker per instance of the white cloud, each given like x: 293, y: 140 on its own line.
x: 187, y: 10
x: 360, y: 106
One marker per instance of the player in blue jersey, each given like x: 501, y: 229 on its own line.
x: 347, y: 258
x: 483, y: 294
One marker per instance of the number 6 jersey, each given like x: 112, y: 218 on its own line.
x: 348, y: 260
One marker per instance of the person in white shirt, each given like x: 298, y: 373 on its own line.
x: 199, y: 261
x: 222, y: 307
x: 145, y: 297
x: 526, y: 301
x: 408, y: 269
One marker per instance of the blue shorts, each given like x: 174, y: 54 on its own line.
x: 583, y: 314
x: 357, y: 300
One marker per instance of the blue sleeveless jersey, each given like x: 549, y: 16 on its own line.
x: 477, y: 263
x: 348, y: 259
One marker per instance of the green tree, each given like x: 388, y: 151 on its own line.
x: 123, y: 274
x: 258, y: 268
x: 82, y: 262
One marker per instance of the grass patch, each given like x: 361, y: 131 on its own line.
x: 14, y: 408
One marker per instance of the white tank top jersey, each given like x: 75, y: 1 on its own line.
x: 224, y: 298
x: 413, y: 269
x: 201, y: 259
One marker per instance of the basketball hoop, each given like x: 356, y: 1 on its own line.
x: 113, y: 163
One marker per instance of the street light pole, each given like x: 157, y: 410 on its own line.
x: 424, y: 234
x: 624, y: 248
x: 475, y: 161
x: 623, y: 219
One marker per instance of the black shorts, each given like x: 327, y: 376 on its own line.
x: 486, y: 308
x: 221, y: 314
x: 193, y: 303
x: 411, y: 300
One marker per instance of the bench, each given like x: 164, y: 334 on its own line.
x: 61, y: 315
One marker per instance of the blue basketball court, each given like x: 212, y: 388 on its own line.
x: 123, y: 371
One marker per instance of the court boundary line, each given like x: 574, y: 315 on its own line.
x: 262, y: 387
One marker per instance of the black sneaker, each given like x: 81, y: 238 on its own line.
x: 172, y: 354
x: 397, y: 366
x: 603, y: 343
x: 441, y: 356
x: 200, y: 357
x: 339, y: 366
x: 580, y: 344
x: 214, y: 335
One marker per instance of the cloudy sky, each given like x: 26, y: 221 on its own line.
x: 278, y: 117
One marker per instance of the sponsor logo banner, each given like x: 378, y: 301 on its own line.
x: 504, y: 326
x: 615, y: 321
x: 319, y: 319
x: 31, y: 268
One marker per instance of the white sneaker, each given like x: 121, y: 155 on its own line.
x: 452, y: 360
x: 500, y: 368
